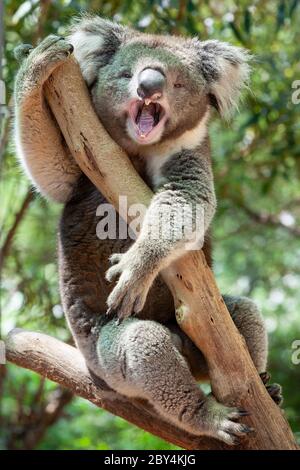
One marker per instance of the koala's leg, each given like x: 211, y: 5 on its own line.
x: 138, y: 359
x: 250, y: 324
x: 39, y: 143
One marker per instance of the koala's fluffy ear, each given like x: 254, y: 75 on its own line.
x: 226, y: 71
x: 95, y: 41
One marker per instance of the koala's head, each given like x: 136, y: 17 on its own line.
x: 149, y: 88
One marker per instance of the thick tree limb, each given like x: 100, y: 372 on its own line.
x: 65, y: 365
x: 200, y: 310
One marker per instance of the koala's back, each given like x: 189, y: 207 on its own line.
x: 84, y: 260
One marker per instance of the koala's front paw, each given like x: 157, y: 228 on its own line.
x: 40, y: 62
x: 219, y: 421
x: 135, y: 279
x: 22, y: 51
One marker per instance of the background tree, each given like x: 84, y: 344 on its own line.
x: 256, y: 231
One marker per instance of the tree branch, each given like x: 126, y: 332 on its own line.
x: 27, y: 429
x: 272, y: 220
x: 43, y: 16
x: 65, y: 365
x: 200, y: 310
x: 4, y: 250
x: 265, y: 218
x: 33, y: 426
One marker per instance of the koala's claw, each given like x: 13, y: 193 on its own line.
x: 231, y: 432
x: 129, y: 295
x: 220, y: 422
x: 274, y: 390
x: 242, y: 412
x: 265, y: 377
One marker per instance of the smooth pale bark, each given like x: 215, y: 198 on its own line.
x: 200, y: 310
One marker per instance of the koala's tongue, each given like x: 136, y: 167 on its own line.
x: 146, y: 119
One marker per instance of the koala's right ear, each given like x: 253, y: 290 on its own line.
x: 95, y: 41
x: 225, y: 69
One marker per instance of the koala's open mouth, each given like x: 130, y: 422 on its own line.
x: 147, y: 120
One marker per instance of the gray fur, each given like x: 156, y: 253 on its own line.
x: 147, y: 356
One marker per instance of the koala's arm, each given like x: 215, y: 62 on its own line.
x: 39, y: 143
x: 187, y: 191
x: 185, y: 199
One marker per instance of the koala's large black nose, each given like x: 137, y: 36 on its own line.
x: 150, y: 82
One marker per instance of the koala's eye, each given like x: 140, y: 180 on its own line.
x: 178, y: 85
x: 125, y: 74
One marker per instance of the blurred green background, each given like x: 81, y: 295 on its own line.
x: 256, y: 230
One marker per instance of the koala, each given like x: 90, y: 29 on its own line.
x: 154, y: 95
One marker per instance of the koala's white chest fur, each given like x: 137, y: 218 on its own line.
x: 159, y: 154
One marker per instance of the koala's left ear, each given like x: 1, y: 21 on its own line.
x: 95, y: 41
x: 226, y: 71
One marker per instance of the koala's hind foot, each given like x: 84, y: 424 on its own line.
x: 275, y: 390
x: 138, y: 359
